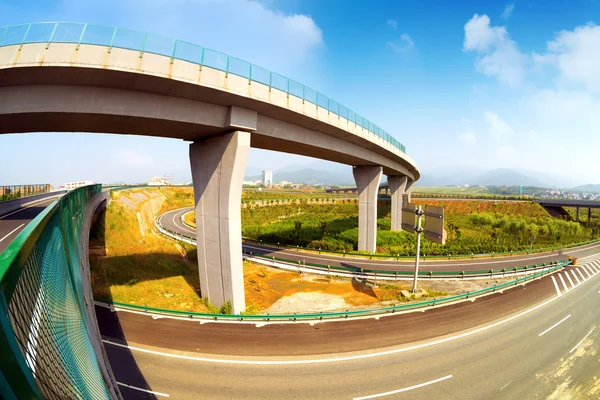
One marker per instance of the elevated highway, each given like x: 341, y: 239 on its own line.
x: 67, y: 77
x: 13, y: 222
x: 577, y: 204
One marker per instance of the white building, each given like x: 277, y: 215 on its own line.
x: 74, y: 185
x: 267, y: 178
x: 159, y: 181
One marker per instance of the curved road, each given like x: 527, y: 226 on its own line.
x: 13, y: 223
x: 171, y: 220
x: 536, y: 341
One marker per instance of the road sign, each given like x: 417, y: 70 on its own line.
x: 434, y: 224
x: 408, y: 217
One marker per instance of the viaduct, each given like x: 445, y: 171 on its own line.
x: 66, y: 77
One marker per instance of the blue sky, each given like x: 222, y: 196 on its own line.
x: 470, y: 84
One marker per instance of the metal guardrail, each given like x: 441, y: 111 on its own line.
x: 343, y: 314
x: 371, y: 273
x: 112, y: 37
x: 424, y: 256
x: 44, y: 334
x: 371, y: 256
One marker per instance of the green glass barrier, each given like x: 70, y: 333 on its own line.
x: 44, y: 338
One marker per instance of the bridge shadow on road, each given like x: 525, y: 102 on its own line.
x: 121, y: 359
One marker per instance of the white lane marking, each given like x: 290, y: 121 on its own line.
x: 13, y: 231
x: 29, y: 206
x: 569, y: 278
x: 185, y: 228
x: 581, y: 341
x: 555, y: 285
x: 586, y: 272
x: 555, y: 325
x: 563, y: 282
x: 505, y: 386
x: 143, y: 390
x: 589, y: 270
x: 595, y: 268
x: 579, y: 272
x: 403, y: 390
x: 336, y: 359
x: 575, y: 276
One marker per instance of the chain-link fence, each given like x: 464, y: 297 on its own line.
x: 44, y: 337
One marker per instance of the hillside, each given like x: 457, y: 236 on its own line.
x: 587, y: 188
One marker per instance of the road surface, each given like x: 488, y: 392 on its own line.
x: 13, y: 223
x: 547, y: 349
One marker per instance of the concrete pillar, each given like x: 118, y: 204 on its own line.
x: 367, y: 180
x: 577, y: 214
x: 397, y: 187
x: 589, y: 215
x: 218, y: 167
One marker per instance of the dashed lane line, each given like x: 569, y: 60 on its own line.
x: 373, y: 396
x: 555, y: 325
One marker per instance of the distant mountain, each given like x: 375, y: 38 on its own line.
x: 308, y: 176
x: 587, y: 188
x: 508, y: 177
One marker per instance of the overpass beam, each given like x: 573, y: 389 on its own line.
x: 367, y: 180
x: 397, y: 186
x: 218, y: 166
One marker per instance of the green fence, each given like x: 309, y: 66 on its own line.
x: 44, y: 334
x: 88, y: 34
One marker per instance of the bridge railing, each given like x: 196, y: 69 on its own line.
x: 67, y: 32
x: 12, y: 192
x: 348, y: 313
x: 44, y: 334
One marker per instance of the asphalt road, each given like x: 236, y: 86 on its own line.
x: 172, y: 221
x: 13, y: 223
x: 540, y: 341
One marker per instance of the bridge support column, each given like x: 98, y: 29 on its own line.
x: 577, y: 214
x: 589, y: 215
x: 367, y: 180
x: 397, y: 186
x: 218, y: 166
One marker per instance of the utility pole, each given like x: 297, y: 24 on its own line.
x: 419, y: 230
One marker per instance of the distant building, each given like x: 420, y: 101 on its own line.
x: 160, y: 181
x: 267, y: 178
x: 74, y: 185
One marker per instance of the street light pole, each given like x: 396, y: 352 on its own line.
x: 419, y: 213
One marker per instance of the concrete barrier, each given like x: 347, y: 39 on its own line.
x: 9, y: 206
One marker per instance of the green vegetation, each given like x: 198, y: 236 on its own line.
x: 250, y: 195
x: 471, y: 229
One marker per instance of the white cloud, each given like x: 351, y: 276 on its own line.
x: 392, y: 23
x: 468, y: 138
x: 466, y: 120
x: 500, y: 130
x: 508, y: 10
x: 498, y: 55
x: 406, y: 43
x: 288, y: 44
x: 576, y: 55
